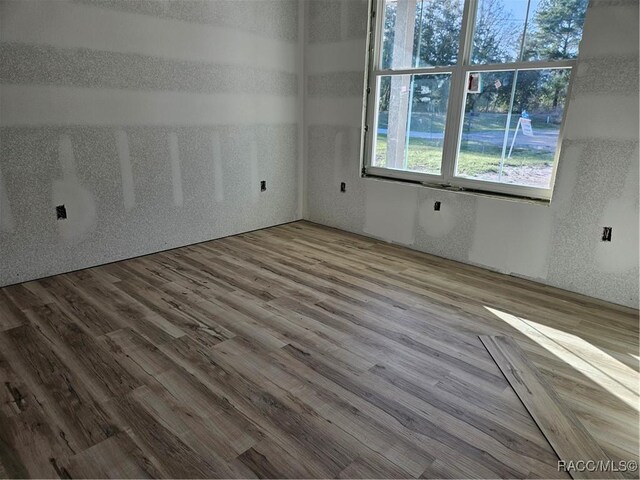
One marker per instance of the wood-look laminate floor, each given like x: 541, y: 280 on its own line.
x: 299, y: 351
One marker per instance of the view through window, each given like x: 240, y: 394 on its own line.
x: 471, y: 93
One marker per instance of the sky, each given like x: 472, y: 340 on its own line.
x: 519, y: 9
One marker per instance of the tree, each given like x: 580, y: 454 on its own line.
x: 553, y: 32
x: 437, y: 34
x: 493, y: 41
x: 494, y: 33
x: 556, y: 33
x: 389, y: 34
x: 557, y: 30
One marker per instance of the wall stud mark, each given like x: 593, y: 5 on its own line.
x: 61, y: 212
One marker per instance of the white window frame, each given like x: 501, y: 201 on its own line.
x: 455, y: 109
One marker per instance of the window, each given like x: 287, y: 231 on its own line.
x: 470, y: 93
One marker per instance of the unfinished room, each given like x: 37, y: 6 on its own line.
x: 309, y: 239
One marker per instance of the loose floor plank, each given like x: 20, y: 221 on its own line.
x: 563, y: 430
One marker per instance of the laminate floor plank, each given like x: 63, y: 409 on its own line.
x: 394, y: 403
x: 289, y: 428
x: 370, y: 290
x: 175, y: 458
x: 116, y: 457
x: 493, y: 425
x: 177, y: 313
x: 28, y: 442
x: 99, y: 370
x: 243, y: 357
x: 14, y: 394
x: 268, y: 460
x: 349, y: 412
x: 231, y: 432
x: 261, y: 265
x: 135, y: 350
x: 125, y: 311
x: 71, y: 410
x: 301, y: 351
x: 23, y: 297
x: 10, y: 314
x: 72, y: 303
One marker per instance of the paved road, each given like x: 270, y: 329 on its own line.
x: 543, y: 139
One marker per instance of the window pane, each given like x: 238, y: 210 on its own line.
x: 511, y: 135
x: 553, y: 30
x: 499, y: 26
x: 412, y: 112
x: 421, y: 33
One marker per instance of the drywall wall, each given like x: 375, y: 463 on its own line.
x: 153, y: 122
x: 559, y: 244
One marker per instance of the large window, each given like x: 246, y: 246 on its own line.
x: 470, y: 94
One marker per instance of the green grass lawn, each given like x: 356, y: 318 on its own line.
x: 424, y: 155
x: 479, y: 122
x: 475, y: 158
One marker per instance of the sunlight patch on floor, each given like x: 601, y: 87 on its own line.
x: 611, y: 374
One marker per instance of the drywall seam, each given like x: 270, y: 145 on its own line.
x: 344, y: 112
x: 334, y: 57
x: 126, y: 173
x: 176, y: 172
x: 78, y: 201
x: 218, y: 179
x: 7, y: 224
x: 67, y: 161
x: 390, y: 212
x: 338, y: 156
x: 254, y: 177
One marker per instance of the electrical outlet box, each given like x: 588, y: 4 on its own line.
x: 436, y: 206
x: 343, y: 187
x: 606, y: 234
x: 263, y: 185
x: 61, y: 212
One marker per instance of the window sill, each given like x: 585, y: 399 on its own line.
x: 462, y: 190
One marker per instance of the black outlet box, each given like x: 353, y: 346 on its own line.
x: 61, y: 212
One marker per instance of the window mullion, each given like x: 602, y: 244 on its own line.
x: 524, y: 33
x: 457, y: 93
x: 466, y: 33
x: 534, y: 65
x: 454, y: 114
x: 414, y: 71
x: 377, y: 34
x: 370, y: 111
